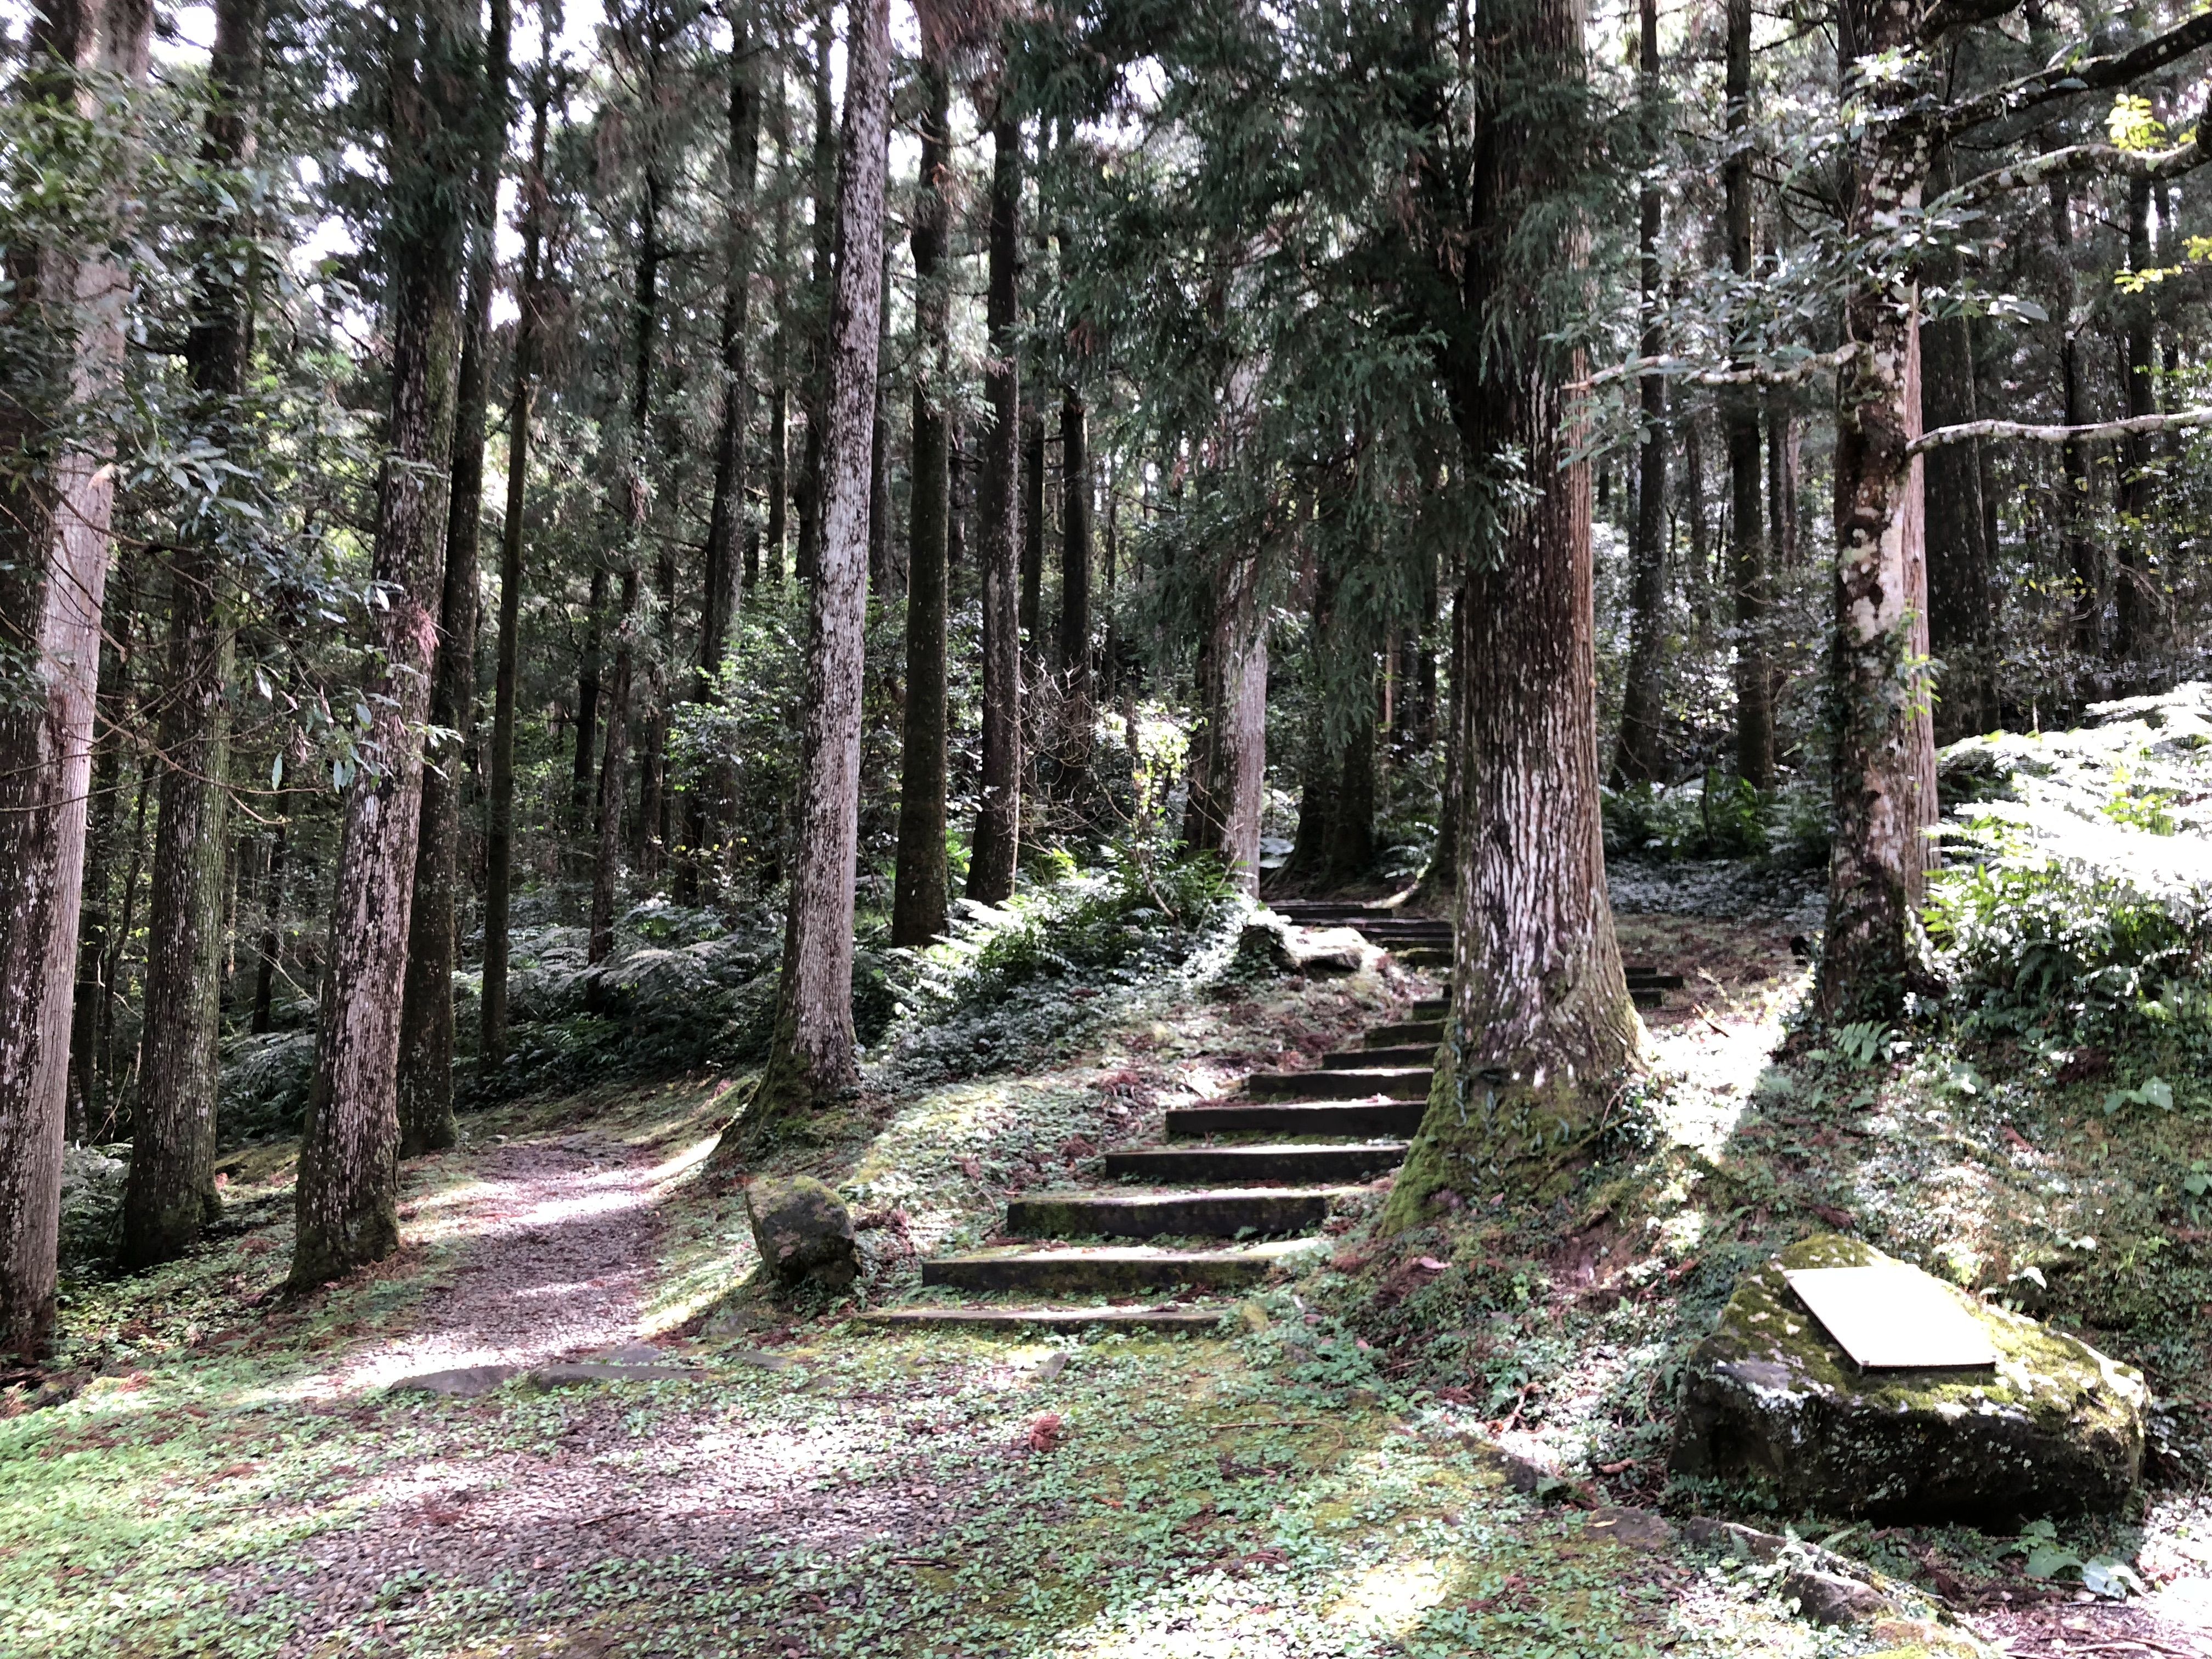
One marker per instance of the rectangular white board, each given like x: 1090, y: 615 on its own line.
x: 1893, y: 1318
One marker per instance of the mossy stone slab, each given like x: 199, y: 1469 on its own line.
x: 1770, y: 1398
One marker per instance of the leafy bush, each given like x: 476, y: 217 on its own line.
x: 1719, y: 816
x: 1010, y: 983
x: 2084, y: 901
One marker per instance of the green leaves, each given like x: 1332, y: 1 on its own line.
x: 2152, y: 1091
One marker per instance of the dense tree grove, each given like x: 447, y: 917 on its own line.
x: 495, y: 498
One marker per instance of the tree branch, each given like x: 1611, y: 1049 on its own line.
x: 2063, y: 78
x: 2077, y: 158
x: 2139, y: 426
x: 1948, y: 15
x: 1682, y: 370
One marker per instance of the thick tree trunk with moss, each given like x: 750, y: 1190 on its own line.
x: 347, y: 1196
x: 1541, y: 1027
x: 1885, y: 746
x: 921, y: 880
x: 996, y: 848
x: 170, y: 1192
x: 426, y: 1024
x: 812, y: 1059
x: 53, y: 575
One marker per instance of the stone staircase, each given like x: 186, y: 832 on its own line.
x: 1237, y: 1185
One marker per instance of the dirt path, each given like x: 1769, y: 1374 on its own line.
x: 558, y: 1237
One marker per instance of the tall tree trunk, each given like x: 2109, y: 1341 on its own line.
x: 1228, y: 760
x: 1885, y: 753
x: 521, y: 403
x: 1032, y: 557
x: 1352, y: 814
x: 269, y: 953
x: 87, y: 1080
x: 1540, y: 1018
x: 1438, y: 881
x: 812, y: 1056
x: 1640, y: 757
x: 347, y: 1194
x: 2084, y: 561
x: 921, y: 881
x: 583, y: 767
x: 635, y: 484
x: 170, y: 1191
x: 64, y: 304
x: 1782, y: 471
x: 425, y: 1021
x: 1959, y: 619
x: 708, y: 802
x: 2135, y: 589
x: 1693, y: 505
x: 1747, y: 583
x: 824, y: 162
x: 997, y: 845
x: 1074, y: 594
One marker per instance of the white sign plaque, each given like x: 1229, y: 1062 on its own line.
x: 1893, y: 1317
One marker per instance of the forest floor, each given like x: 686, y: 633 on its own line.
x: 214, y: 1470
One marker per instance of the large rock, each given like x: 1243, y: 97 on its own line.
x: 1771, y: 1399
x: 804, y: 1233
x: 1271, y: 941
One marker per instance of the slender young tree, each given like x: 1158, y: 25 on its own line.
x: 1958, y: 598
x: 812, y: 1057
x: 346, y: 1200
x: 1747, y: 578
x: 708, y: 800
x: 425, y: 1023
x: 170, y: 1192
x: 521, y: 404
x: 921, y: 879
x: 2135, y: 592
x: 1074, y: 591
x: 996, y: 847
x: 822, y: 165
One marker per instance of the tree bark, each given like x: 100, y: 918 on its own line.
x: 426, y: 1022
x: 1747, y: 578
x: 1640, y: 757
x: 1228, y: 760
x: 708, y: 802
x: 635, y: 507
x: 1960, y: 625
x: 66, y: 304
x: 270, y: 951
x: 1032, y: 520
x: 521, y: 404
x: 996, y: 847
x: 2136, y: 607
x: 583, y: 767
x: 97, y: 933
x: 1693, y: 504
x: 347, y: 1194
x: 921, y: 881
x: 1539, y: 1023
x: 812, y: 1057
x: 170, y: 1192
x: 823, y: 159
x: 2083, y: 559
x: 1074, y: 594
x: 1885, y: 754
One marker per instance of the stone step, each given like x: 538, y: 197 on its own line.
x: 1267, y: 1162
x: 1644, y: 998
x: 1430, y: 1008
x: 1109, y: 1214
x: 1392, y: 1082
x: 1194, y: 1316
x: 1653, y: 979
x: 1431, y: 1031
x: 1104, y: 1269
x: 1419, y: 956
x: 1331, y: 910
x: 1363, y: 1117
x: 1408, y: 1053
x: 1402, y: 926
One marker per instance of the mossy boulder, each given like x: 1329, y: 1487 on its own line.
x: 1271, y: 943
x: 1771, y: 1399
x: 804, y: 1233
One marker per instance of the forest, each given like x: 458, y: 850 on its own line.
x: 1105, y: 827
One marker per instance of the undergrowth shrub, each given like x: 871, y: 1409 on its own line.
x: 2079, y: 898
x: 1719, y: 816
x: 1008, y: 985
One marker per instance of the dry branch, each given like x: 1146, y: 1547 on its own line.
x: 2138, y: 426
